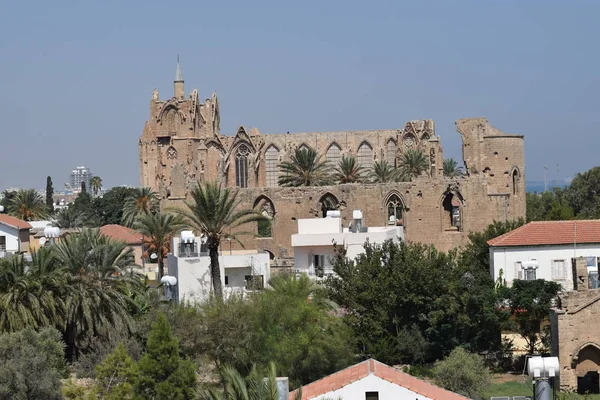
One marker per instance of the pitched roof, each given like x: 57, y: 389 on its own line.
x: 14, y: 222
x: 540, y: 233
x: 122, y: 233
x: 373, y: 367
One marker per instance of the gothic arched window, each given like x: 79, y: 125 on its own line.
x: 394, y: 210
x: 333, y: 155
x: 515, y: 182
x: 241, y: 166
x: 451, y: 216
x: 265, y: 207
x: 328, y: 203
x: 271, y: 165
x: 365, y: 155
x: 391, y: 153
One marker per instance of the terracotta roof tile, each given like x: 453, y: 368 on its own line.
x: 361, y: 370
x: 122, y: 233
x: 14, y: 222
x: 540, y: 233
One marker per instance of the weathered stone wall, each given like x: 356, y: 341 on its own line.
x: 575, y: 332
x: 181, y: 144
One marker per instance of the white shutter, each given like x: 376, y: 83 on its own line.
x: 518, y: 270
x: 520, y: 274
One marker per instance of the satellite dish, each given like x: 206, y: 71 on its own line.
x: 168, y: 279
x: 153, y: 256
x: 42, y: 240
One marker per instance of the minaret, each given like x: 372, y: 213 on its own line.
x: 178, y: 83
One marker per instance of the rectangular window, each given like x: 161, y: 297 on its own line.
x: 241, y: 171
x: 559, y: 270
x: 591, y: 261
x: 2, y: 243
x: 226, y: 280
x: 371, y: 395
x: 254, y: 282
x: 530, y: 274
x: 518, y: 270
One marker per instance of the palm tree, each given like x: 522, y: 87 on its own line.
x: 305, y: 168
x: 95, y: 184
x: 158, y: 230
x: 101, y: 280
x: 70, y: 218
x: 31, y: 294
x: 348, y: 171
x: 412, y: 164
x: 253, y: 387
x: 383, y: 172
x: 144, y: 201
x: 452, y: 169
x: 214, y: 212
x: 28, y: 205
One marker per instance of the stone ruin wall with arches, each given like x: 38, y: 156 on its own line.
x: 181, y: 143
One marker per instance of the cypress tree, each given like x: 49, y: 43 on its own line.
x: 83, y: 189
x: 49, y: 195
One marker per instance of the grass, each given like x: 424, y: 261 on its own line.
x: 524, y: 388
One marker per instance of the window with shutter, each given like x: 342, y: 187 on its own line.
x: 518, y: 270
x: 558, y: 269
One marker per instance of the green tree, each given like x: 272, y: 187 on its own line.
x: 27, y: 205
x: 583, y: 194
x: 108, y: 209
x: 83, y: 208
x: 463, y: 373
x: 162, y: 373
x: 215, y: 212
x: 101, y: 280
x: 143, y: 201
x: 383, y: 172
x: 158, y: 230
x: 452, y: 169
x: 348, y: 171
x: 412, y: 164
x: 530, y: 303
x: 83, y: 187
x: 116, y: 375
x: 32, y: 365
x: 73, y: 217
x: 6, y: 198
x: 305, y: 168
x: 95, y: 184
x: 548, y: 206
x: 49, y: 194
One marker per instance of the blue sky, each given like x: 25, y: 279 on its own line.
x: 76, y: 78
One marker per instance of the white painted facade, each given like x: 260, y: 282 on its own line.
x: 192, y: 270
x: 314, y: 243
x: 9, y: 240
x: 358, y: 390
x: 550, y: 262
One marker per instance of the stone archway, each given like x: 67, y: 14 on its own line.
x: 587, y: 367
x: 328, y: 202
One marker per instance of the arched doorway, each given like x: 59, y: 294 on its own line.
x: 328, y: 202
x: 265, y: 206
x: 587, y: 367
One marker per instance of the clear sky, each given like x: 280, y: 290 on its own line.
x: 76, y: 77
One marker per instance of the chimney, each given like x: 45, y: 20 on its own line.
x: 580, y: 274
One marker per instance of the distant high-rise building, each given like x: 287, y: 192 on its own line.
x: 78, y: 175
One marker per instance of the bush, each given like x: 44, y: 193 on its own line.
x: 31, y: 364
x: 462, y: 372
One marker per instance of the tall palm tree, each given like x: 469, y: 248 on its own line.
x: 452, y: 169
x: 214, y: 211
x: 305, y: 168
x: 383, y: 172
x: 144, y: 201
x: 158, y: 230
x: 348, y: 171
x: 413, y: 163
x: 28, y: 205
x: 95, y: 184
x: 101, y: 279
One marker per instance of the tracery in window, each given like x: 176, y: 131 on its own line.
x: 395, y: 210
x: 241, y: 166
x: 365, y: 155
x: 272, y: 166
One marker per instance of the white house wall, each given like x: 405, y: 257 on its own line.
x: 372, y: 383
x: 12, y: 237
x: 506, y: 258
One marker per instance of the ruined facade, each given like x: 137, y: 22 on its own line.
x: 181, y: 143
x: 575, y: 334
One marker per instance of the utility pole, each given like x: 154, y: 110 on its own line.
x: 545, y: 178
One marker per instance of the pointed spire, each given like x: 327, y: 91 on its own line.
x: 178, y: 74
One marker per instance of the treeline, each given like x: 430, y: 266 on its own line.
x: 579, y: 200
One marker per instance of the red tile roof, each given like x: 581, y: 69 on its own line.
x: 373, y: 367
x: 122, y: 233
x: 541, y: 233
x: 14, y: 222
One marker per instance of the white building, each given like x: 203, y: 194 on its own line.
x: 14, y: 235
x: 544, y: 250
x: 242, y: 271
x: 373, y: 380
x: 314, y: 244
